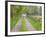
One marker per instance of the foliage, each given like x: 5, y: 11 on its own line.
x: 16, y: 12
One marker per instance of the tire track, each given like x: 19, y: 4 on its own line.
x: 29, y: 26
x: 17, y: 26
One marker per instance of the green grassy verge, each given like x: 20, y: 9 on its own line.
x: 35, y: 23
x: 23, y: 27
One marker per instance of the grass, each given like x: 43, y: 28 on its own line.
x: 13, y: 22
x: 35, y: 23
x: 23, y: 27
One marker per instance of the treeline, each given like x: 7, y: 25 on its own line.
x: 17, y: 10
